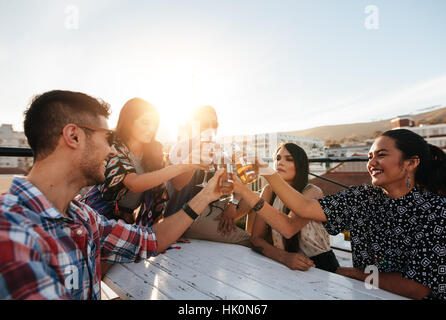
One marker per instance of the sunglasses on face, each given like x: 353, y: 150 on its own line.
x: 111, y: 135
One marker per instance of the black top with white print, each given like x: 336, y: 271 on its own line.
x: 405, y: 235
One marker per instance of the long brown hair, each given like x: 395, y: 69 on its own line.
x: 130, y: 112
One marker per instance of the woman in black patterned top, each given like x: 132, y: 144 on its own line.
x: 397, y: 224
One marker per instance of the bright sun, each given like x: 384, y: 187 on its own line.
x: 175, y: 86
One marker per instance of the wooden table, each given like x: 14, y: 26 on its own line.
x: 204, y: 270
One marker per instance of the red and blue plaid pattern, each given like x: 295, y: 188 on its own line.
x: 44, y: 255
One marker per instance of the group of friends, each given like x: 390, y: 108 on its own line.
x: 95, y: 197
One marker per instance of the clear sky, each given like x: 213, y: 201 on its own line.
x: 265, y: 65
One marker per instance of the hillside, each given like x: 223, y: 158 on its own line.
x: 365, y: 130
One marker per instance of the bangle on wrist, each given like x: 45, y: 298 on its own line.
x: 259, y: 205
x: 190, y: 212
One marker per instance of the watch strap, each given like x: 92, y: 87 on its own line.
x: 191, y: 213
x: 234, y: 201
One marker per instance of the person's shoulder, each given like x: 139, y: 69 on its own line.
x: 315, y: 190
x: 431, y: 212
x: 18, y: 223
x: 362, y: 192
x: 10, y: 206
x: 364, y: 189
x: 430, y: 200
x: 122, y: 153
x: 87, y: 212
x: 430, y: 195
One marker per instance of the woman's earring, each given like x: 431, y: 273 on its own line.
x: 408, y: 183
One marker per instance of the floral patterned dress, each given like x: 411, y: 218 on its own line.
x: 104, y: 198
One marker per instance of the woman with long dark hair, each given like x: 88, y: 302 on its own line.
x: 397, y: 224
x: 303, y: 238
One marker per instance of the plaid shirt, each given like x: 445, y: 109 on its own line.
x: 44, y: 255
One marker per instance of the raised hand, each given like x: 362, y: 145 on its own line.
x: 238, y: 185
x: 212, y: 189
x: 264, y: 169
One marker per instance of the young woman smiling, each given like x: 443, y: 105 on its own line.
x: 397, y: 224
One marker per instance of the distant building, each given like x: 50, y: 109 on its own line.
x: 348, y: 151
x: 433, y: 133
x: 346, y: 173
x: 11, y: 138
x: 402, y: 121
x: 267, y: 143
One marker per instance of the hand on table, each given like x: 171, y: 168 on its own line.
x: 182, y: 240
x: 227, y: 223
x: 297, y: 261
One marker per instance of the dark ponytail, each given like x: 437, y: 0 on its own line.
x: 437, y: 180
x: 431, y: 172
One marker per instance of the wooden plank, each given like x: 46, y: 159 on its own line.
x: 186, y: 278
x: 209, y: 270
x: 269, y: 273
x: 107, y: 293
x: 251, y: 264
x: 156, y: 284
x: 216, y: 271
x: 129, y: 286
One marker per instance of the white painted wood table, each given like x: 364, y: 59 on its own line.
x: 204, y: 270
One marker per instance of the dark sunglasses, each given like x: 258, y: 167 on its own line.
x: 111, y: 135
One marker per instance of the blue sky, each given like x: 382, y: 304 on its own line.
x: 266, y: 66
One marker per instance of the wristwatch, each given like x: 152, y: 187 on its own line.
x: 235, y: 201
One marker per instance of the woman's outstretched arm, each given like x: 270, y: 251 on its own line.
x: 141, y: 182
x: 286, y: 225
x: 294, y: 200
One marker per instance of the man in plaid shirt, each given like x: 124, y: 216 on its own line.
x: 51, y: 246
